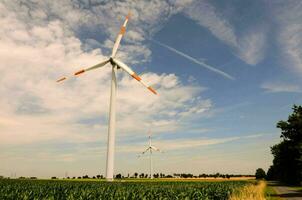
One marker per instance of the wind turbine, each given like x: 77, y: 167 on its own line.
x: 151, y: 148
x: 116, y: 64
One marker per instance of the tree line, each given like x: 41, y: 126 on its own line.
x: 145, y: 175
x: 160, y: 175
x: 287, y: 162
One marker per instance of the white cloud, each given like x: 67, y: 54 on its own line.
x: 206, y: 15
x: 184, y: 143
x: 108, y: 16
x: 249, y: 46
x: 176, y: 144
x: 35, y: 52
x: 39, y: 43
x: 252, y: 46
x: 79, y: 15
x: 275, y: 87
x: 288, y: 17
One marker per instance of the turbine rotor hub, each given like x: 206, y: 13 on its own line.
x: 112, y: 63
x: 111, y: 60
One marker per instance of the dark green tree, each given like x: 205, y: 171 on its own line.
x: 271, y: 173
x: 118, y: 176
x: 260, y: 173
x: 287, y: 163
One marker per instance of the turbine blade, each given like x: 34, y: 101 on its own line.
x: 133, y: 74
x: 119, y: 36
x: 144, y: 152
x: 85, y: 70
x: 155, y: 148
x: 97, y: 66
x: 61, y: 79
x: 92, y: 68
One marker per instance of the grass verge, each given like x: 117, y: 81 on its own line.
x: 270, y: 193
x: 253, y: 191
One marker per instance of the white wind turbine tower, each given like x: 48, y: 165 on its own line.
x: 116, y: 64
x: 150, y: 149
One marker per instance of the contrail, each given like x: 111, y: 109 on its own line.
x: 195, y: 60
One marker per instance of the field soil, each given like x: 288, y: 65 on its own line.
x: 285, y: 192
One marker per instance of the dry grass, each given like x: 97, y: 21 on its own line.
x: 251, y: 192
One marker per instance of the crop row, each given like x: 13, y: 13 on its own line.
x: 47, y: 189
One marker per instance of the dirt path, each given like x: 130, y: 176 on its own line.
x: 285, y: 192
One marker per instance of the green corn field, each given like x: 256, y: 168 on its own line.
x: 80, y: 190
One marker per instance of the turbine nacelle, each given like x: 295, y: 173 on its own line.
x: 111, y: 60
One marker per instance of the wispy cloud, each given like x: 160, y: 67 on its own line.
x: 209, y: 67
x: 249, y: 45
x: 275, y: 87
x: 207, y: 16
x: 252, y: 45
x: 177, y: 144
x: 185, y: 143
x: 288, y: 16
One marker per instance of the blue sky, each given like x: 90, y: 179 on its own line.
x: 200, y: 118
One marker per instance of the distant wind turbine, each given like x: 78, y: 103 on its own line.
x: 203, y: 64
x: 116, y: 64
x: 150, y: 149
